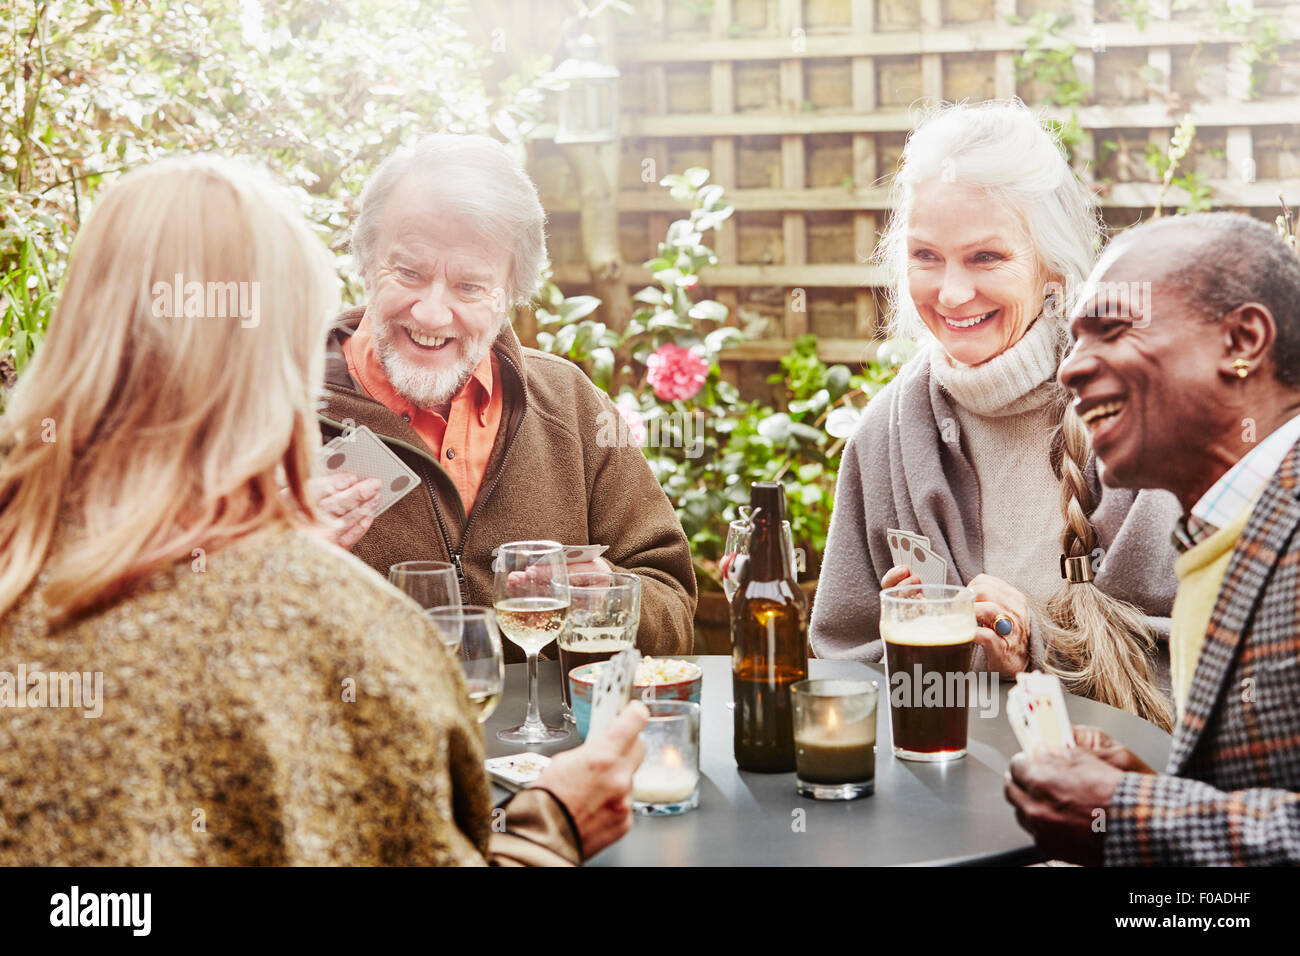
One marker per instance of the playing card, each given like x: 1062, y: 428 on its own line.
x: 613, y: 690
x: 1044, y: 703
x: 901, y: 544
x: 928, y: 566
x: 360, y: 452
x: 518, y: 770
x: 1019, y: 719
x: 573, y: 554
x: 583, y: 553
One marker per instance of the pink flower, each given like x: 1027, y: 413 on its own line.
x: 676, y: 373
x: 626, y: 406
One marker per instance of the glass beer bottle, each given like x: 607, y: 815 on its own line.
x: 769, y: 640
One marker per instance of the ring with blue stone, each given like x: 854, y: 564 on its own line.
x: 1002, y: 624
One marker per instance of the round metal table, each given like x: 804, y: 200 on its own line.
x: 920, y: 814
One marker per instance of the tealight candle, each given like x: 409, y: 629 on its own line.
x: 834, y: 738
x: 664, y: 784
x: 668, y: 780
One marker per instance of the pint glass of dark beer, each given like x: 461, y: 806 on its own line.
x: 929, y: 635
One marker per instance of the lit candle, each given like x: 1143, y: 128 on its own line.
x: 666, y: 780
x: 835, y: 733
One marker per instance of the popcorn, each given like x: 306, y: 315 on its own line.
x: 655, y: 670
x: 661, y: 670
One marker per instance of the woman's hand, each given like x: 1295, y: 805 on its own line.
x: 898, y: 574
x: 594, y: 781
x: 1008, y: 654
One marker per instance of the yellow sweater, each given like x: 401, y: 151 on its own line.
x: 1200, y: 575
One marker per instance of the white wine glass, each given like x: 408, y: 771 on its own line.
x: 530, y: 594
x: 472, y: 632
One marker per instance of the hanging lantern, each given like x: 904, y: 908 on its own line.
x: 588, y: 92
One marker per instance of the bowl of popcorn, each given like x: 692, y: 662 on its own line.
x: 657, y: 678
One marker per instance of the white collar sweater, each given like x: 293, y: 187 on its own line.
x: 1007, y: 415
x: 911, y: 464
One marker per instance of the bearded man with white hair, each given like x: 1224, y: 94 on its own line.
x: 507, y: 440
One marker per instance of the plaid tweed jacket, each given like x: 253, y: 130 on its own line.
x: 1230, y: 795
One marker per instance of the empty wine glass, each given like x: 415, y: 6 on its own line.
x: 430, y: 583
x: 473, y: 631
x: 738, y: 533
x: 530, y: 594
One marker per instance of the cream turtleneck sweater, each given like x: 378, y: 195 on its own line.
x: 1006, y: 418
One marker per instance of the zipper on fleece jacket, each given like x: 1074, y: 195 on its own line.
x: 457, y: 553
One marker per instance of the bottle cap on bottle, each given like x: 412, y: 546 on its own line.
x: 770, y: 497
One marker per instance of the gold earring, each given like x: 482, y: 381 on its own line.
x: 1242, y: 367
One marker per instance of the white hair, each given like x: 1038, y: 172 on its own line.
x: 1000, y: 146
x: 482, y: 185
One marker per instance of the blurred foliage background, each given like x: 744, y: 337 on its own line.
x: 318, y: 90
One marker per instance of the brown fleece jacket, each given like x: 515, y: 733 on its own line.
x: 548, y: 478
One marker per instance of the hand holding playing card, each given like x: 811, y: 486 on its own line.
x: 348, y: 504
x: 898, y: 575
x: 594, y: 781
x: 913, y: 551
x: 1057, y: 795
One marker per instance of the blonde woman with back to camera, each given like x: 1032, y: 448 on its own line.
x: 264, y: 697
x: 974, y: 444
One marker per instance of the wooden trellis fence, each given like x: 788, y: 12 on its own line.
x: 800, y: 108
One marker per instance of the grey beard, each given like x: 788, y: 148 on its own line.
x: 421, y: 387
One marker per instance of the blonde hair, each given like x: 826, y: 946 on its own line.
x: 154, y: 434
x: 1097, y: 644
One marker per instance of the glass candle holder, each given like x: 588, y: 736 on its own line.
x: 668, y: 780
x: 834, y: 738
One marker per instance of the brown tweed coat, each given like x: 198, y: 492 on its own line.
x: 1231, y: 792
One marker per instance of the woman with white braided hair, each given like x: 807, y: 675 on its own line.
x: 975, y: 445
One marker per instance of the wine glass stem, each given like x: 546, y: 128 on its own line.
x: 534, y: 718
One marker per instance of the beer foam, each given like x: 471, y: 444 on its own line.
x: 931, y: 630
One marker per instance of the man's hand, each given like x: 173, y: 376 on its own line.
x: 591, y: 574
x: 348, y: 503
x: 594, y: 781
x: 1062, y: 798
x: 1101, y: 744
x: 594, y: 573
x: 1007, y: 655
